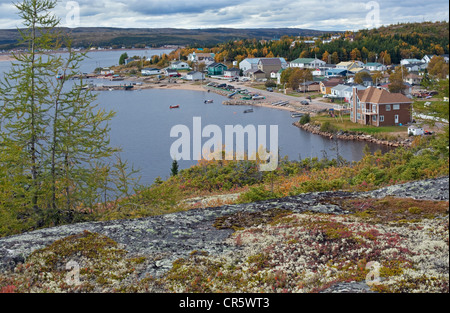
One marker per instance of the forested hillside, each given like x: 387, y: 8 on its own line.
x: 386, y: 45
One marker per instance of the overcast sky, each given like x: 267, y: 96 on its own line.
x: 313, y: 14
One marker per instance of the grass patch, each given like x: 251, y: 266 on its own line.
x: 394, y: 210
x: 343, y: 123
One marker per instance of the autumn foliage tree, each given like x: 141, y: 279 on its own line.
x: 438, y: 68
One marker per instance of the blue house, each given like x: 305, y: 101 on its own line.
x: 336, y: 72
x: 216, y: 69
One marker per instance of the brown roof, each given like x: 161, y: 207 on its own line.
x: 270, y: 61
x: 381, y: 96
x: 333, y: 82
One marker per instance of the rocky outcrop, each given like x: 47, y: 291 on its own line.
x: 315, y: 129
x: 170, y: 237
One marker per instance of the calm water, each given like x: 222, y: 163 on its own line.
x: 144, y: 120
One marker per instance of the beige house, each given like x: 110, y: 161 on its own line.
x: 255, y: 75
x: 269, y: 65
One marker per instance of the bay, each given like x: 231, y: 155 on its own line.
x: 143, y: 121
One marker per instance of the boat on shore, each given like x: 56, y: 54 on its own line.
x: 297, y: 115
x: 257, y: 97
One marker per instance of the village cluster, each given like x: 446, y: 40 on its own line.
x: 369, y: 101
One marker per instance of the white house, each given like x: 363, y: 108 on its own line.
x: 345, y: 91
x: 179, y: 65
x: 232, y: 73
x: 427, y: 58
x: 375, y: 66
x: 415, y: 67
x: 337, y: 91
x: 413, y: 79
x: 347, y: 94
x: 106, y: 71
x: 193, y: 76
x: 410, y: 61
x: 170, y: 72
x: 150, y: 71
x: 309, y: 63
x: 249, y: 64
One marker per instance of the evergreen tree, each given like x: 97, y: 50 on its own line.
x: 174, y: 169
x: 54, y: 142
x: 122, y: 58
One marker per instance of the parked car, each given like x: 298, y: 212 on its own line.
x: 304, y: 102
x: 270, y: 89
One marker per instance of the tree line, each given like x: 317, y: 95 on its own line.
x: 388, y: 45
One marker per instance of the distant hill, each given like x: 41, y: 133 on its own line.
x: 163, y: 36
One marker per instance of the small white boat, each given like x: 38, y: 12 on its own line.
x: 209, y: 101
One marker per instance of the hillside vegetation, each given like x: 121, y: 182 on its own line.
x: 155, y: 37
x: 386, y: 45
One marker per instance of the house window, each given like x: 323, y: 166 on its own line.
x: 374, y: 118
x: 358, y: 116
x: 388, y: 107
x: 381, y: 118
x: 396, y: 107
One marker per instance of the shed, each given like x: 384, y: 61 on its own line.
x: 416, y: 131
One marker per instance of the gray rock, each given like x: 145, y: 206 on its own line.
x: 176, y: 235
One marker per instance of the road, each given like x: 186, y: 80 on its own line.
x: 272, y: 97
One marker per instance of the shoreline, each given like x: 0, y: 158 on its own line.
x: 6, y: 58
x: 352, y: 136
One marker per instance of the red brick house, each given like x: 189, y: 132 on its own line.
x: 378, y: 107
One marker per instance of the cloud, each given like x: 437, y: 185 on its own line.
x: 313, y: 14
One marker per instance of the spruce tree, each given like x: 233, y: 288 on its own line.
x: 174, y: 169
x: 55, y: 156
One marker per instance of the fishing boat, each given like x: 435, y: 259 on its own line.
x: 248, y: 111
x: 174, y: 106
x: 297, y: 115
x: 128, y: 87
x: 209, y: 101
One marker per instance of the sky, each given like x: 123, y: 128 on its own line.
x: 332, y: 15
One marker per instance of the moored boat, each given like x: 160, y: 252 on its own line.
x: 174, y: 106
